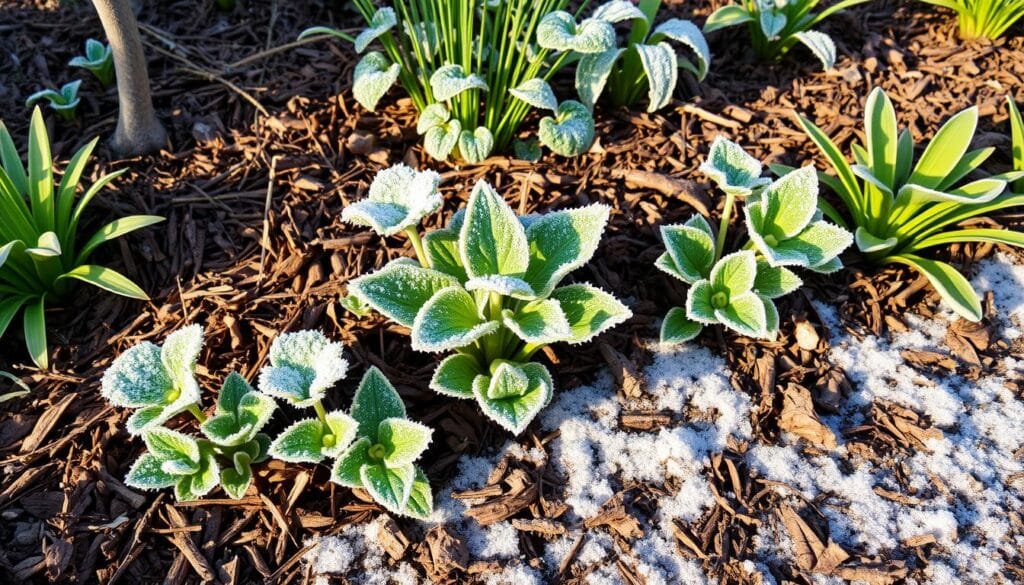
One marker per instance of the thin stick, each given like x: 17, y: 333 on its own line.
x: 265, y: 239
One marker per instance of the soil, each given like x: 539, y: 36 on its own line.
x: 267, y: 146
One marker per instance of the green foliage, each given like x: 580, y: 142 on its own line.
x: 784, y: 229
x: 472, y: 68
x: 988, y: 19
x: 41, y: 256
x: 776, y: 26
x: 488, y: 287
x: 63, y: 101
x: 647, y: 61
x: 98, y: 59
x: 900, y: 207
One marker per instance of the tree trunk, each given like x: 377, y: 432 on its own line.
x: 138, y: 129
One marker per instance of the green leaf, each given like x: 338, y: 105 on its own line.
x: 346, y: 469
x: 691, y: 250
x: 699, y: 307
x: 528, y: 150
x: 997, y: 236
x: 558, y: 31
x: 821, y: 45
x: 235, y: 480
x: 592, y: 74
x: 389, y: 487
x: 980, y: 191
x: 946, y: 149
x: 449, y: 320
x: 40, y: 174
x: 662, y: 70
x: 180, y: 353
x: 678, y: 328
x: 506, y: 286
x: 137, y: 378
x: 106, y: 279
x: 540, y: 322
x: 869, y: 243
x: 882, y: 137
x: 310, y: 440
x: 455, y: 374
x: 617, y: 11
x: 816, y: 245
x: 399, y: 198
x: 373, y: 77
x: 850, y: 193
x: 11, y: 161
x: 451, y: 80
x: 197, y: 485
x: 507, y: 381
x: 570, y: 132
x: 732, y: 169
x: 515, y: 412
x: 400, y: 289
x: 537, y: 93
x: 772, y: 23
x: 745, y: 314
x: 442, y: 249
x: 476, y: 146
x: 492, y: 241
x: 775, y: 281
x: 687, y: 33
x: 771, y: 316
x: 241, y: 413
x: 66, y: 192
x: 421, y: 498
x: 439, y: 141
x: 590, y: 310
x: 561, y: 242
x: 34, y: 318
x: 1017, y: 135
x: 9, y: 308
x: 383, y: 21
x: 735, y: 273
x: 786, y: 206
x: 171, y: 445
x: 404, y: 440
x: 116, y: 229
x: 375, y: 401
x: 954, y: 289
x: 726, y: 16
x: 147, y: 474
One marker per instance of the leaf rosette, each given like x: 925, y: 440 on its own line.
x: 178, y: 460
x: 303, y: 365
x: 398, y: 199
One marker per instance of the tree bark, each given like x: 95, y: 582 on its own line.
x: 138, y: 129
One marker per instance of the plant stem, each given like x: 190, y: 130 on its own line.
x: 321, y: 412
x: 417, y: 244
x: 723, y: 226
x: 526, y: 352
x: 194, y: 409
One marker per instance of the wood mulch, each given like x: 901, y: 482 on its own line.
x: 269, y: 146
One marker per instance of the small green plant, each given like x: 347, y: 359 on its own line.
x: 776, y: 26
x: 375, y: 446
x: 487, y: 287
x: 1017, y: 138
x: 40, y: 254
x: 472, y: 69
x: 900, y: 208
x: 647, y: 61
x: 64, y: 102
x: 98, y: 59
x: 784, y: 230
x: 983, y: 18
x: 226, y: 5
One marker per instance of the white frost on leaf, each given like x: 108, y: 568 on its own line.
x: 383, y: 21
x: 537, y: 93
x: 558, y: 31
x: 821, y: 45
x: 399, y: 198
x: 373, y: 77
x: 451, y: 80
x: 303, y: 366
x: 732, y: 169
x: 570, y: 132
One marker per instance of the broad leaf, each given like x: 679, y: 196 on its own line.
x: 772, y: 23
x: 389, y: 487
x: 346, y: 469
x: 869, y: 243
x: 816, y: 245
x: 375, y: 401
x: 403, y: 440
x: 383, y: 21
x: 537, y: 93
x: 660, y: 65
x: 421, y: 499
x: 235, y: 480
x: 455, y: 374
x: 449, y: 320
x: 735, y: 273
x: 687, y: 33
x: 592, y: 73
x: 726, y: 16
x: 570, y: 132
x: 451, y: 80
x: 691, y: 251
x: 171, y: 445
x: 538, y: 322
x: 373, y: 77
x: 562, y: 241
x: 398, y: 199
x: 745, y: 314
x: 618, y: 11
x: 590, y: 310
x: 442, y: 249
x: 310, y: 440
x: 492, y: 241
x: 303, y: 365
x: 507, y: 381
x: 515, y: 413
x: 775, y: 281
x: 400, y: 289
x: 732, y: 169
x: 147, y: 474
x: 441, y: 140
x: 241, y: 413
x: 821, y: 45
x: 476, y: 146
x: 558, y: 31
x: 678, y: 328
x: 506, y: 286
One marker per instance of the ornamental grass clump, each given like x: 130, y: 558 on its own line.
x: 488, y: 288
x: 98, y: 60
x: 988, y: 19
x: 776, y: 26
x: 784, y: 230
x: 646, y: 63
x: 900, y: 207
x: 41, y: 256
x: 473, y: 70
x: 374, y: 446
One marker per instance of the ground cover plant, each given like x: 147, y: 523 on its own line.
x: 899, y: 208
x: 374, y: 445
x: 98, y: 60
x: 41, y: 253
x: 64, y: 101
x: 776, y: 26
x: 487, y: 287
x: 988, y: 19
x: 784, y: 230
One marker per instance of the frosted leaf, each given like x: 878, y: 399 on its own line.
x: 726, y: 16
x: 507, y: 381
x: 373, y: 77
x: 745, y: 314
x: 771, y: 319
x: 96, y: 54
x: 772, y: 23
x: 241, y: 413
x: 507, y: 286
x: 449, y: 320
x: 451, y: 80
x: 821, y: 45
x: 303, y: 365
x: 235, y: 480
x: 455, y: 374
x: 383, y: 21
x: 678, y: 328
x: 528, y: 150
x: 784, y: 208
x: 537, y: 93
x: 590, y: 310
x: 424, y: 33
x: 697, y: 221
x: 558, y: 31
x: 180, y: 353
x: 147, y: 474
x: 515, y: 413
x: 561, y: 242
x: 137, y: 378
x: 311, y: 441
x: 403, y: 440
x: 440, y: 141
x: 375, y: 401
x: 687, y: 33
x: 570, y: 132
x: 432, y: 116
x: 775, y: 281
x: 171, y: 445
x: 442, y: 249
x: 538, y: 322
x: 399, y: 198
x: 827, y: 267
x: 389, y: 487
x: 699, y: 306
x: 617, y: 11
x: 175, y: 459
x: 592, y: 73
x: 346, y: 468
x: 476, y: 146
x: 421, y: 498
x: 732, y: 169
x: 492, y: 241
x: 691, y: 250
x: 400, y: 289
x: 815, y: 246
x: 735, y: 273
x: 868, y: 242
x: 662, y: 69
x: 200, y: 483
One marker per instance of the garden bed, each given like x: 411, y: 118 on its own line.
x: 631, y: 475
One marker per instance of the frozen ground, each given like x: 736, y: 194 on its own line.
x: 978, y: 459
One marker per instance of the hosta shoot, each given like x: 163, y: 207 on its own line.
x: 41, y: 254
x: 488, y: 287
x: 98, y: 60
x: 902, y: 204
x: 784, y: 231
x: 473, y: 70
x: 648, y: 63
x: 776, y: 26
x: 63, y: 101
x: 988, y: 19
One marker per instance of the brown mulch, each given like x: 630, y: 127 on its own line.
x: 253, y: 246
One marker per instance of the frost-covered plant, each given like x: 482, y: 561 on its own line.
x: 473, y: 70
x: 647, y: 61
x: 776, y: 26
x: 98, y: 59
x: 40, y: 257
x: 488, y: 287
x: 988, y: 19
x: 785, y: 230
x: 899, y: 208
x: 1017, y: 138
x: 63, y: 101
